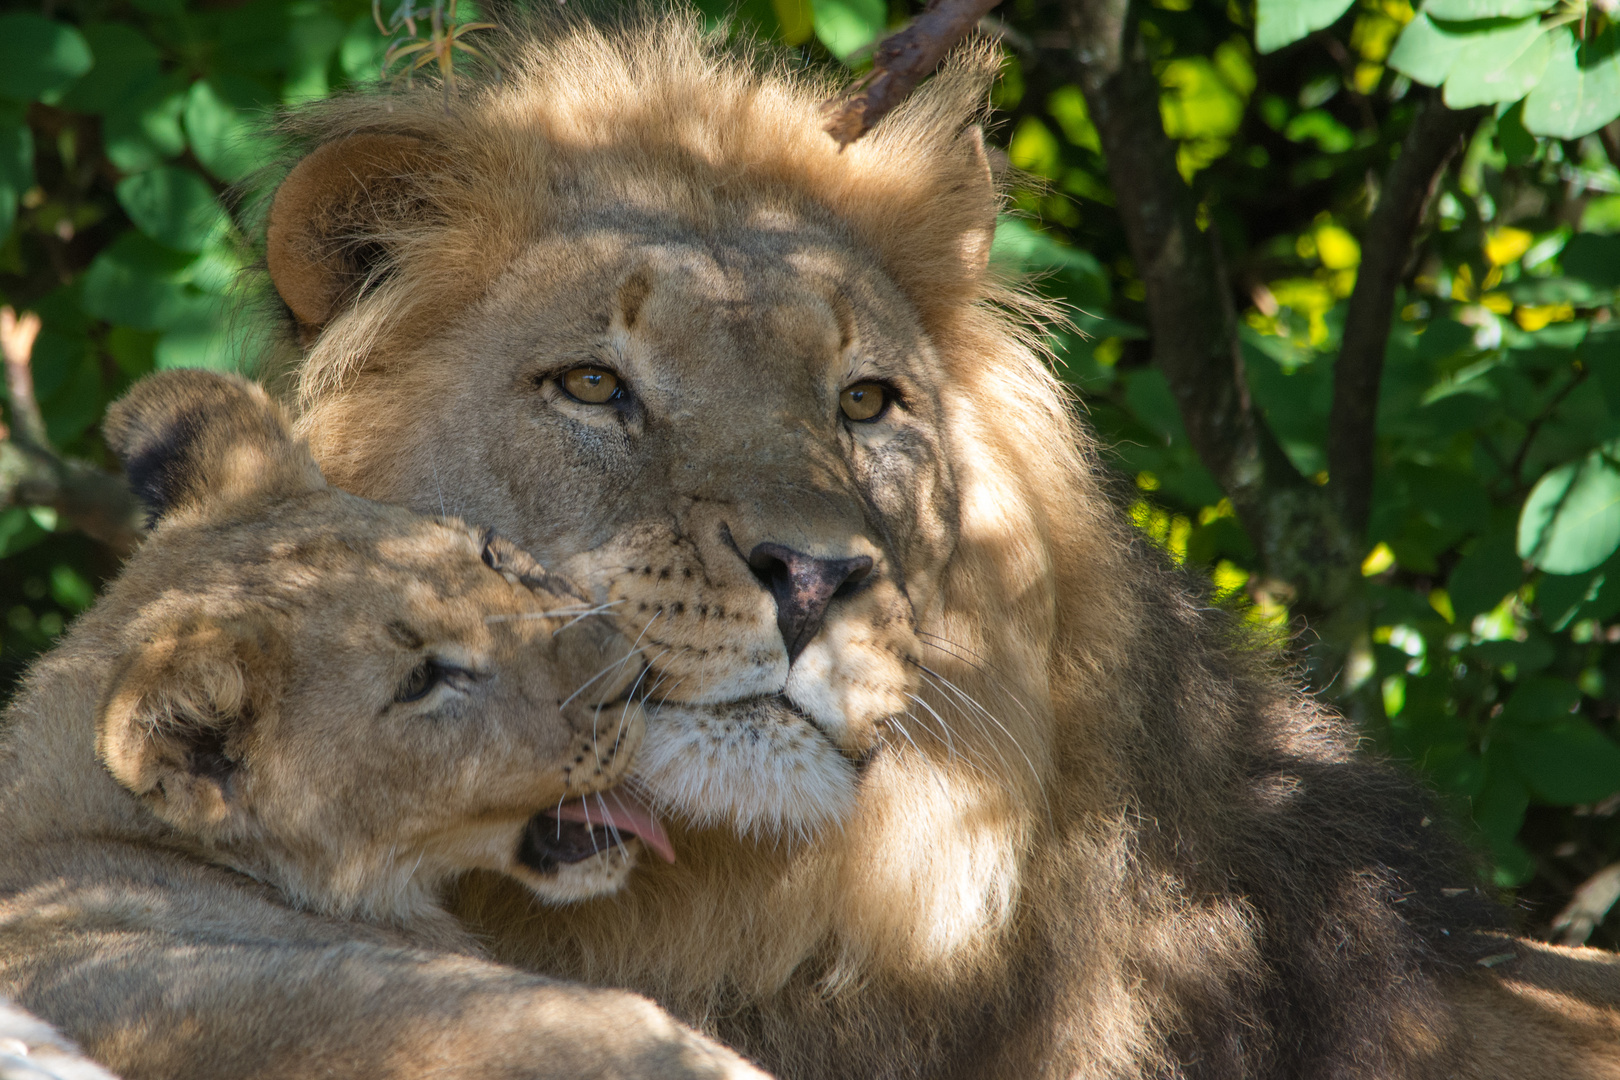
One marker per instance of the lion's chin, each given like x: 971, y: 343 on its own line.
x: 758, y: 766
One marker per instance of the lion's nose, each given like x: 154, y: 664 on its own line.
x: 803, y: 586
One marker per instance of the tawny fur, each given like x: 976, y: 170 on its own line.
x: 228, y: 827
x: 1032, y: 806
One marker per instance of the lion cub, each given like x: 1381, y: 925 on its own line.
x: 231, y: 796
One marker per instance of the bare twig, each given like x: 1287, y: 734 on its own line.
x: 1386, y: 251
x: 901, y: 61
x: 1515, y: 471
x: 17, y: 337
x: 1588, y: 907
x: 33, y: 474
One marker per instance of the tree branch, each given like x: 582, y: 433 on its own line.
x: 1191, y: 317
x: 1386, y: 251
x: 901, y: 61
x: 33, y: 474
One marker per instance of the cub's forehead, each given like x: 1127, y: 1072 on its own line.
x: 329, y: 541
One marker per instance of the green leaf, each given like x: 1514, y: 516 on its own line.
x: 172, y: 205
x: 1489, y: 571
x: 847, y: 26
x: 70, y: 589
x: 126, y: 66
x: 1500, y: 805
x: 1531, y: 655
x: 1425, y: 53
x: 1517, y: 143
x: 138, y: 283
x: 1283, y: 22
x: 1539, y: 700
x: 221, y: 121
x: 1502, y: 63
x: 1560, y: 596
x: 16, y: 165
x: 1567, y: 762
x: 1571, y: 521
x: 1465, y: 10
x: 1575, y: 99
x: 313, y: 37
x: 39, y: 58
x: 145, y: 131
x: 1593, y: 259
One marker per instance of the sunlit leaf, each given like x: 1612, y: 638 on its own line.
x: 1425, y: 53
x: 847, y: 26
x: 1035, y: 149
x: 1575, y: 98
x: 1198, y: 102
x: 1571, y: 521
x: 39, y: 58
x: 1283, y: 22
x: 1465, y: 10
x: 1502, y: 63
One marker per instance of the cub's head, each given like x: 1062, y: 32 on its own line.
x: 345, y: 699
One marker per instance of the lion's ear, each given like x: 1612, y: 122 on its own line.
x: 174, y: 725
x: 198, y: 438
x: 931, y: 216
x: 980, y: 232
x: 333, y: 218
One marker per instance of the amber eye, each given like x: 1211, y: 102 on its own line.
x: 864, y: 401
x: 593, y: 386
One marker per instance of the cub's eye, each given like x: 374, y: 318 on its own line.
x: 593, y: 386
x: 420, y: 682
x: 865, y: 401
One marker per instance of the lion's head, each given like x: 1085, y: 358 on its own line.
x: 925, y: 712
x: 346, y: 699
x: 721, y: 403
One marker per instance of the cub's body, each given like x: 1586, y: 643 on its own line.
x: 234, y: 793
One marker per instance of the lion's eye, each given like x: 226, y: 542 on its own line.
x: 593, y: 386
x: 865, y: 401
x: 420, y: 682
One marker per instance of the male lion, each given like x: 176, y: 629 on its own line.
x: 231, y: 797
x: 965, y: 779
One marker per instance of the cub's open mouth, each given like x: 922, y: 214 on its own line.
x: 597, y: 823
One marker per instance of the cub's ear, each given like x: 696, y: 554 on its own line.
x: 174, y: 726
x: 334, y: 218
x: 198, y: 439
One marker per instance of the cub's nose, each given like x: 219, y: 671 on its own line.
x: 803, y: 586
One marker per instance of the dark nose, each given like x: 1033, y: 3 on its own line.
x: 803, y: 586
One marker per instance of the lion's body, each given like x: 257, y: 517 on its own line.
x: 228, y: 824
x: 1027, y: 805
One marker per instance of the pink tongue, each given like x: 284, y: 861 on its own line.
x: 624, y: 812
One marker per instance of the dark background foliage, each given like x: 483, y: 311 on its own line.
x: 1470, y: 628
